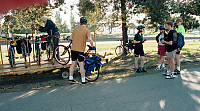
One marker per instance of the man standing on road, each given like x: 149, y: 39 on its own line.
x: 181, y: 30
x: 139, y: 51
x: 79, y: 37
x: 161, y: 47
x: 171, y: 48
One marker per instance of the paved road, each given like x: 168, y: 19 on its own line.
x: 141, y: 93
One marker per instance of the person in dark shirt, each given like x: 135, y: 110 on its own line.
x: 138, y: 41
x: 171, y: 49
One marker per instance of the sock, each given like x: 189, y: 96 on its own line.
x: 178, y: 68
x: 83, y: 79
x: 172, y: 73
x: 163, y: 65
x: 70, y: 77
x: 159, y: 65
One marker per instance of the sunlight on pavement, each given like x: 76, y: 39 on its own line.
x: 196, y: 98
x: 54, y: 90
x: 30, y: 93
x: 119, y: 80
x: 162, y: 104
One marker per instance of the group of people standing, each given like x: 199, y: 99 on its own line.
x: 165, y: 44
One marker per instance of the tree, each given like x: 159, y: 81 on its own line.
x: 72, y: 21
x: 58, y: 21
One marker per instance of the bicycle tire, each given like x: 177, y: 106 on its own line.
x: 38, y: 56
x: 63, y: 54
x: 50, y: 53
x: 119, y: 50
x: 11, y: 57
x: 92, y: 77
x: 24, y: 54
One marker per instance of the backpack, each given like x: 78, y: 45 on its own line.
x: 178, y: 40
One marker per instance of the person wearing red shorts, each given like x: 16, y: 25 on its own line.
x: 161, y: 47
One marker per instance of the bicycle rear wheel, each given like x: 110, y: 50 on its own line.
x: 119, y: 50
x: 62, y: 54
x: 92, y: 77
x: 11, y: 57
x: 38, y: 55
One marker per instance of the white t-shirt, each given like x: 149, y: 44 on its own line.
x: 160, y: 37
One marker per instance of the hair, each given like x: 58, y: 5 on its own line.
x: 179, y: 20
x: 44, y: 18
x: 170, y: 23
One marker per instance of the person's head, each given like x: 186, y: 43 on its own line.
x: 179, y: 22
x: 140, y: 28
x: 169, y: 25
x: 162, y: 29
x: 83, y: 20
x: 44, y: 19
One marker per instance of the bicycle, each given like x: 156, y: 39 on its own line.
x: 11, y: 52
x: 89, y: 77
x: 37, y: 48
x: 127, y: 48
x: 50, y: 48
x: 62, y: 53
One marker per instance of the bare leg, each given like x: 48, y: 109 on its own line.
x: 71, y: 71
x: 142, y: 61
x: 82, y: 70
x: 136, y: 62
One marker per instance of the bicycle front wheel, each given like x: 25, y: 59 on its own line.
x: 119, y: 50
x: 62, y: 54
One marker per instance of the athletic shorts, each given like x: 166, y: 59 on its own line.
x: 77, y: 56
x: 139, y: 52
x: 178, y: 52
x: 161, y: 50
x: 171, y: 54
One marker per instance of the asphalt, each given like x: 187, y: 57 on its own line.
x: 142, y: 93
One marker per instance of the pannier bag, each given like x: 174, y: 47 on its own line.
x: 90, y: 65
x: 19, y: 44
x: 44, y: 38
x: 44, y: 46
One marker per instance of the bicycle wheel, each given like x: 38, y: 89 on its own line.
x: 11, y: 57
x: 62, y: 54
x: 92, y: 77
x: 38, y: 55
x: 24, y: 54
x: 119, y: 50
x: 50, y: 53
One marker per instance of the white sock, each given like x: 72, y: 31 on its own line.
x: 83, y: 79
x: 159, y: 65
x: 70, y: 77
x: 172, y: 73
x: 163, y: 65
x: 178, y: 68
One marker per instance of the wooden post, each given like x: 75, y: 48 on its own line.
x: 28, y: 48
x: 1, y: 57
x: 95, y: 40
x: 33, y: 48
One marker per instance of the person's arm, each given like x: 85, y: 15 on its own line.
x: 91, y: 41
x: 165, y: 42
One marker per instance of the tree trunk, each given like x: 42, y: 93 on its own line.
x: 124, y: 27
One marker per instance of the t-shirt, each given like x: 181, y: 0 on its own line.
x: 80, y: 36
x: 170, y: 38
x: 160, y: 37
x: 138, y: 37
x: 181, y: 30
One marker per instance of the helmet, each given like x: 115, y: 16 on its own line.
x: 83, y: 20
x: 140, y: 27
x: 162, y: 27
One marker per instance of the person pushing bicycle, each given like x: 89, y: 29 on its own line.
x: 139, y: 51
x: 79, y: 37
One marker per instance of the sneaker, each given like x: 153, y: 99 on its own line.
x: 166, y: 74
x: 143, y: 70
x: 138, y: 70
x: 163, y: 68
x: 83, y: 83
x: 170, y: 77
x: 177, y: 72
x: 158, y: 68
x: 72, y: 81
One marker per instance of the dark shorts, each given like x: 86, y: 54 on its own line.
x: 77, y: 56
x: 139, y: 52
x: 178, y: 52
x: 161, y: 50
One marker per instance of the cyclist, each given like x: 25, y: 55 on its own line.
x: 171, y: 49
x: 161, y: 47
x: 50, y: 28
x: 79, y: 38
x: 138, y: 41
x: 181, y: 30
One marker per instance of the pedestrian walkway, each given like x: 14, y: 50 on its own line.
x: 142, y: 93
